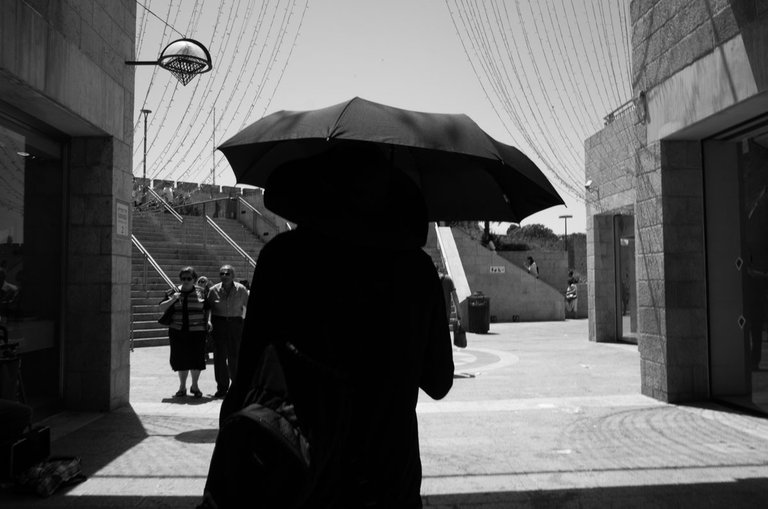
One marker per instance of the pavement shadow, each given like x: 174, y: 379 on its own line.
x: 198, y: 436
x: 187, y: 400
x: 733, y: 494
x: 97, y: 444
x: 58, y: 501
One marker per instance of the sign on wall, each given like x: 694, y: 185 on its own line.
x: 122, y: 215
x: 498, y: 269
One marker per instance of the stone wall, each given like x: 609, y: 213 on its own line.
x: 611, y: 160
x: 671, y: 272
x: 668, y: 35
x: 64, y: 61
x: 513, y: 293
x: 553, y: 265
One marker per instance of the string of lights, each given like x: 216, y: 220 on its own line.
x: 253, y: 43
x: 155, y: 69
x: 171, y: 88
x: 503, y: 84
x: 198, y: 166
x: 256, y: 91
x: 211, y: 85
x: 591, y: 91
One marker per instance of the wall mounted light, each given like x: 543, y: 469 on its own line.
x: 184, y: 58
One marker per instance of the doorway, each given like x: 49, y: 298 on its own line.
x: 736, y: 201
x: 626, y: 290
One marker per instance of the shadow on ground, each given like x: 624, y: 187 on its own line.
x: 737, y: 494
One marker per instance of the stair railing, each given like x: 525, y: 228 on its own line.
x: 247, y: 259
x: 165, y: 204
x: 264, y: 218
x: 148, y: 260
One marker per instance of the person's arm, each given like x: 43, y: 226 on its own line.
x: 169, y: 300
x: 437, y: 372
x: 455, y: 300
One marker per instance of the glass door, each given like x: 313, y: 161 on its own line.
x: 31, y: 266
x: 626, y: 290
x: 736, y: 202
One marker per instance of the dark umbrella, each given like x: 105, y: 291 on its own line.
x: 463, y: 173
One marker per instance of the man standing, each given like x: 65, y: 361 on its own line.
x: 228, y: 300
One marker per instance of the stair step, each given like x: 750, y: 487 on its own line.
x: 174, y: 245
x: 147, y: 342
x: 150, y: 333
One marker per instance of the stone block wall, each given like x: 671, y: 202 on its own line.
x: 553, y: 265
x: 671, y: 272
x: 611, y: 161
x: 668, y: 35
x: 64, y: 61
x: 512, y: 293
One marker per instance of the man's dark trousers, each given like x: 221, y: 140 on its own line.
x: 226, y: 345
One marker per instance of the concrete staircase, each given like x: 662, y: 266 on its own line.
x: 175, y: 245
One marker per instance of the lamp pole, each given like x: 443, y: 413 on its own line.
x: 566, y: 217
x: 145, y: 112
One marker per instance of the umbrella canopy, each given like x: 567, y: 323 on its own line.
x: 462, y: 172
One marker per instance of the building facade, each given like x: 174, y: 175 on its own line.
x: 66, y: 131
x: 677, y: 203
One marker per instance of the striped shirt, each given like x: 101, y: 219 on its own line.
x: 195, y: 306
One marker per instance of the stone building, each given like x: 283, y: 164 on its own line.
x: 677, y: 203
x: 66, y: 131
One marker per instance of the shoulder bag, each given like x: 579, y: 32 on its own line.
x: 261, y: 457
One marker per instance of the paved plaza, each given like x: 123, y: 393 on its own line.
x: 538, y: 417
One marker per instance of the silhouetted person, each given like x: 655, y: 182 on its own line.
x: 374, y: 337
x: 533, y: 269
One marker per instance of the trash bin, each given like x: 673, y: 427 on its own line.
x: 479, y: 313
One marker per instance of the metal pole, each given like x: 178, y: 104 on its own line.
x: 145, y: 112
x: 565, y: 236
x: 213, y: 170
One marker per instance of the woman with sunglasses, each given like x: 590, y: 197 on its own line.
x: 187, y: 331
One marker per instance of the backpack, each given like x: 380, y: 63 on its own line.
x: 261, y: 457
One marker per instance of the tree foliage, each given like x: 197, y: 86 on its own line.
x: 534, y: 235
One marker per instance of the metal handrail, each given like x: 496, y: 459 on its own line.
x: 265, y: 218
x: 165, y: 204
x: 231, y: 242
x: 148, y: 259
x: 202, y: 202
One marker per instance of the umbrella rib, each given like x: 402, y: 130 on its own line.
x: 344, y: 110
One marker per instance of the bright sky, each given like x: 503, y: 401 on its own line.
x: 540, y: 75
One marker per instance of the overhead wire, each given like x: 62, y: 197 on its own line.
x: 152, y: 78
x: 609, y: 89
x: 481, y: 42
x: 199, y: 169
x: 547, y: 100
x: 164, y: 106
x: 202, y: 165
x: 182, y: 141
x: 204, y: 81
x: 282, y: 71
x: 271, y: 59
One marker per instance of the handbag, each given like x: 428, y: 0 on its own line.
x: 167, y: 317
x: 459, y: 335
x: 261, y: 453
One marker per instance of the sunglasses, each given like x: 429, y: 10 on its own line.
x: 225, y: 273
x: 187, y: 279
